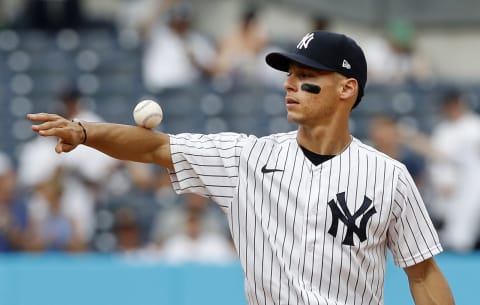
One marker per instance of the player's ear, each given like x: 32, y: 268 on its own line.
x: 348, y: 89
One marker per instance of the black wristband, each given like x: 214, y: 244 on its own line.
x: 83, y: 129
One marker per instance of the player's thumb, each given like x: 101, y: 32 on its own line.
x: 63, y: 147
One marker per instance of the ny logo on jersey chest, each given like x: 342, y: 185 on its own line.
x: 341, y: 213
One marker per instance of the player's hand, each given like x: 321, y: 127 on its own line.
x: 69, y: 134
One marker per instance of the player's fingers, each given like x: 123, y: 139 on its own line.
x: 47, y: 121
x: 60, y: 132
x: 54, y: 125
x: 70, y: 134
x: 43, y: 117
x: 68, y: 137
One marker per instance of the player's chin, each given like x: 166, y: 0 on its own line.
x: 294, y: 117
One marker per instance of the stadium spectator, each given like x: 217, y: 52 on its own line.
x: 127, y: 230
x: 51, y: 230
x: 175, y: 54
x: 452, y: 152
x: 197, y: 240
x: 242, y: 48
x: 394, y: 57
x: 321, y: 22
x: 455, y: 173
x: 14, y: 223
x: 53, y: 15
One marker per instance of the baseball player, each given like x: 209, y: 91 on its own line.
x: 312, y: 212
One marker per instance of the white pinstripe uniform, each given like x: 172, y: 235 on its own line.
x: 298, y: 240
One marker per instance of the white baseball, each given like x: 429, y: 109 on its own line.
x: 148, y: 114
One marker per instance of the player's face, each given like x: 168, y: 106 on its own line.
x: 305, y: 108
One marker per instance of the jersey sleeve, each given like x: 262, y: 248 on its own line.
x: 412, y: 238
x: 206, y: 164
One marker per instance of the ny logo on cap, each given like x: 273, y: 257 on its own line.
x: 305, y: 41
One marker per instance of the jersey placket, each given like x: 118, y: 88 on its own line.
x: 309, y: 226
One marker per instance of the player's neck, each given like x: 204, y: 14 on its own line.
x: 324, y: 141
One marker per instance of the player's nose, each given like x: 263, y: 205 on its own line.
x: 289, y: 84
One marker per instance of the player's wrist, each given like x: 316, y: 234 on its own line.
x: 84, y: 135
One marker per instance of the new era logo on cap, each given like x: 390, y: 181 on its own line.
x: 346, y: 64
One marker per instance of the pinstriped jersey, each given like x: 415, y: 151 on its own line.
x: 308, y: 234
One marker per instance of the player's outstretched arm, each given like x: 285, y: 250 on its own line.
x: 428, y: 285
x: 123, y: 142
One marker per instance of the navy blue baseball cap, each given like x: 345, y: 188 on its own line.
x: 326, y: 51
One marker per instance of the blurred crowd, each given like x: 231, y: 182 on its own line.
x: 85, y: 201
x: 444, y: 165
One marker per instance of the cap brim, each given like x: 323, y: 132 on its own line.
x: 281, y: 61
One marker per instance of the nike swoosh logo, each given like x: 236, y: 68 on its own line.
x: 266, y: 170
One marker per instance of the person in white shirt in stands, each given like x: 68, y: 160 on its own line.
x: 197, y: 240
x: 175, y: 55
x: 456, y: 139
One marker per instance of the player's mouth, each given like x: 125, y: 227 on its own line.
x: 290, y: 102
